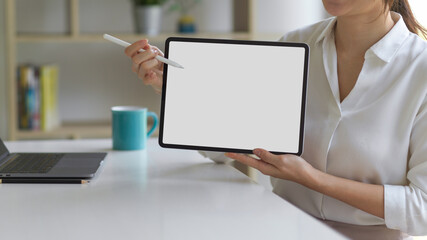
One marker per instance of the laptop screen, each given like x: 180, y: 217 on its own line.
x: 3, y: 150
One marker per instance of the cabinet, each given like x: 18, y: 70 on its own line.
x: 242, y: 29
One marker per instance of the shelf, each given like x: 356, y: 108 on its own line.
x: 129, y: 37
x: 75, y: 131
x: 242, y: 30
x: 71, y: 131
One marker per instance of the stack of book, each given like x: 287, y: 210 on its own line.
x: 37, y: 97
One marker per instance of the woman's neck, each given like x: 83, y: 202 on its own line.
x: 356, y: 34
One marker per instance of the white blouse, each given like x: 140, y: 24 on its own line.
x: 377, y: 134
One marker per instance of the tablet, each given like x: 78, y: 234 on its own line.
x: 234, y: 95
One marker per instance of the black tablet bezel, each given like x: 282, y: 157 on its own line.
x: 229, y: 41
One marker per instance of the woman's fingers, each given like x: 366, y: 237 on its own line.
x: 157, y: 51
x: 150, y: 78
x: 135, y: 68
x: 134, y: 47
x: 159, y: 72
x: 145, y: 64
x: 143, y: 56
x: 149, y: 65
x: 262, y: 166
x: 267, y: 156
x: 146, y: 61
x: 146, y: 67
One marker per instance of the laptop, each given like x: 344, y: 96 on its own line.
x: 48, y: 167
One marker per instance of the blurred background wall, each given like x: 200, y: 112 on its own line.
x: 97, y: 75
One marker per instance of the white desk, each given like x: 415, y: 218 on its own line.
x: 152, y: 194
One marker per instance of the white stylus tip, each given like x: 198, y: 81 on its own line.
x: 126, y: 44
x: 179, y: 66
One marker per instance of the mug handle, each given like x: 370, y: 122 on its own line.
x: 154, y: 116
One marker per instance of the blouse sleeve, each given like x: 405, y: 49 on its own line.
x: 406, y: 206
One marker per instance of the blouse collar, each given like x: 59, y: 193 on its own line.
x: 386, y: 48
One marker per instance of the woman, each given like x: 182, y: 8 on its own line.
x: 364, y: 166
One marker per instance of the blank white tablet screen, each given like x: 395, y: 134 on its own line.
x: 234, y: 96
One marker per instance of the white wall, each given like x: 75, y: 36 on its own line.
x: 277, y: 17
x: 419, y: 8
x: 210, y: 16
x: 3, y: 86
x: 47, y: 16
x: 106, y: 16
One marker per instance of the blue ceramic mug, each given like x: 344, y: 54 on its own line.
x: 130, y: 127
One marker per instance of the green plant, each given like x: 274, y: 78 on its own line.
x: 148, y: 2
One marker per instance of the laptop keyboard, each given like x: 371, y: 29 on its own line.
x: 31, y: 163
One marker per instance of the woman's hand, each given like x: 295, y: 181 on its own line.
x: 364, y: 196
x: 145, y: 65
x: 288, y: 167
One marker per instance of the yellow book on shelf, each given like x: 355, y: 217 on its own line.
x: 49, y: 97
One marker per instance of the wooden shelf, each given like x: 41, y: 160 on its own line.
x: 32, y: 38
x: 74, y: 131
x: 70, y: 131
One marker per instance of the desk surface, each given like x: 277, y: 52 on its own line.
x: 151, y: 194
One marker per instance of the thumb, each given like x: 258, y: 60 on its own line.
x: 266, y: 156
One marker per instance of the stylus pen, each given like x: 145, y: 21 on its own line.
x: 126, y: 44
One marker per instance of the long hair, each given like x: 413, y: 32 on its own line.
x: 402, y: 7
